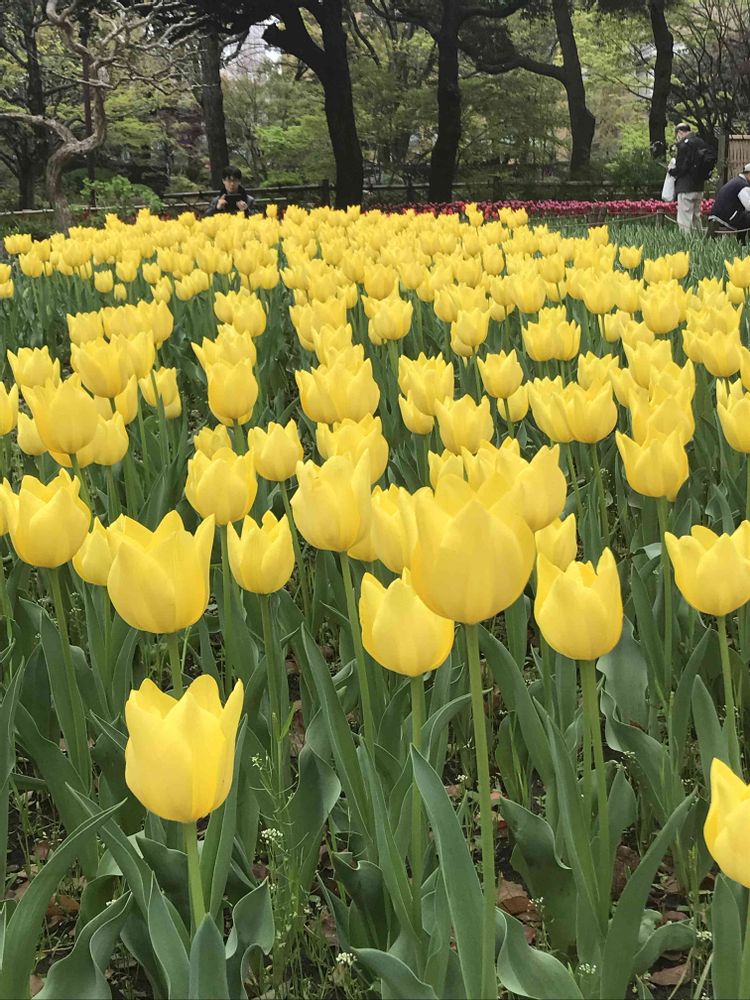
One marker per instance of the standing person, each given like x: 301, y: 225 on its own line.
x: 234, y: 198
x: 690, y: 174
x: 731, y: 206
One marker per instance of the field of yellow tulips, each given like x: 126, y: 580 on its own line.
x: 374, y: 611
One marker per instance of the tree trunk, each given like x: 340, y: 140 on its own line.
x: 445, y: 150
x: 25, y: 158
x: 664, y: 44
x: 339, y: 108
x: 87, y: 117
x: 582, y: 121
x: 212, y: 102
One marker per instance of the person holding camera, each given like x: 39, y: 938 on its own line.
x: 234, y: 198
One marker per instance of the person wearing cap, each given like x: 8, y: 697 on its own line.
x: 731, y: 206
x: 689, y: 181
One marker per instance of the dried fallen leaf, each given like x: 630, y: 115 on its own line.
x: 672, y: 916
x: 35, y: 984
x: 513, y: 898
x: 670, y: 976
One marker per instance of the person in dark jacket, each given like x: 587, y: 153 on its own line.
x: 688, y: 183
x: 234, y: 198
x: 731, y: 206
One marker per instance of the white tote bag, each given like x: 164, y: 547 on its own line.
x: 667, y: 191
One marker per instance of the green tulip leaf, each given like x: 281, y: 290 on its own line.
x: 208, y: 964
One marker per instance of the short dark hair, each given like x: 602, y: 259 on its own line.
x: 231, y: 173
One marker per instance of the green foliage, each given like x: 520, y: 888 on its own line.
x: 121, y: 194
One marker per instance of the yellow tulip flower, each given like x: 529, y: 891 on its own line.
x: 393, y: 527
x: 733, y: 407
x: 277, y: 449
x: 179, y: 758
x: 103, y: 366
x: 166, y: 390
x: 47, y: 523
x: 464, y: 423
x: 209, y: 440
x: 579, y: 608
x: 33, y: 366
x: 558, y: 541
x: 223, y: 485
x: 331, y: 507
x: 429, y: 380
x: 630, y: 257
x: 712, y: 572
x: 8, y: 409
x: 501, y: 374
x: 262, y: 557
x: 159, y: 581
x: 470, y: 561
x: 93, y: 560
x: 398, y: 629
x: 65, y: 415
x: 655, y: 467
x: 725, y: 829
x: 356, y: 438
x: 413, y: 418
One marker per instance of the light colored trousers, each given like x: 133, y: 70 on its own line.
x: 689, y: 210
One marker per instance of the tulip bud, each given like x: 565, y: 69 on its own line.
x: 389, y: 614
x: 262, y: 557
x: 579, y: 608
x: 725, y: 829
x: 179, y: 758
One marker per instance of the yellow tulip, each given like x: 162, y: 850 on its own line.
x: 93, y: 560
x: 47, y: 523
x: 262, y: 557
x: 33, y: 366
x: 464, y: 423
x: 655, y: 467
x: 166, y: 390
x: 593, y: 370
x: 725, y: 829
x: 28, y: 436
x: 399, y: 631
x: 643, y: 359
x: 391, y: 320
x: 733, y: 407
x: 413, y: 418
x: 649, y: 419
x: 159, y: 581
x: 579, y: 608
x: 223, y: 485
x: 393, y: 527
x: 84, y: 327
x: 232, y: 391
x: 210, y: 439
x: 444, y: 464
x: 104, y: 367
x: 630, y: 257
x: 65, y: 415
x: 229, y: 346
x: 277, y: 449
x: 535, y: 490
x: 552, y: 337
x: 661, y: 308
x: 345, y: 388
x: 558, y: 542
x: 179, y: 758
x: 470, y: 561
x: 470, y: 327
x: 501, y: 374
x: 356, y: 438
x: 8, y: 409
x: 139, y: 352
x: 331, y: 507
x: 738, y: 271
x: 104, y: 281
x: 428, y: 380
x: 712, y: 571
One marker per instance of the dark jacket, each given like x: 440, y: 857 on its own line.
x: 686, y: 180
x: 231, y: 203
x: 727, y: 205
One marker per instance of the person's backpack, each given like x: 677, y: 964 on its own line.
x: 703, y: 160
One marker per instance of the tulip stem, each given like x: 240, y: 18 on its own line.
x: 508, y: 420
x: 726, y: 673
x: 5, y: 606
x: 175, y: 664
x: 592, y: 721
x: 602, y: 498
x: 76, y: 738
x: 368, y: 720
x: 240, y: 445
x: 574, y: 478
x: 162, y: 413
x: 278, y: 710
x: 663, y: 515
x: 144, y: 447
x: 78, y: 471
x: 197, y: 904
x: 301, y: 569
x: 226, y: 591
x: 417, y: 846
x: 113, y: 496
x: 488, y: 979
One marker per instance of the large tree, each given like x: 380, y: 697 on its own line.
x: 500, y: 52
x: 445, y: 20
x: 109, y: 58
x: 313, y: 32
